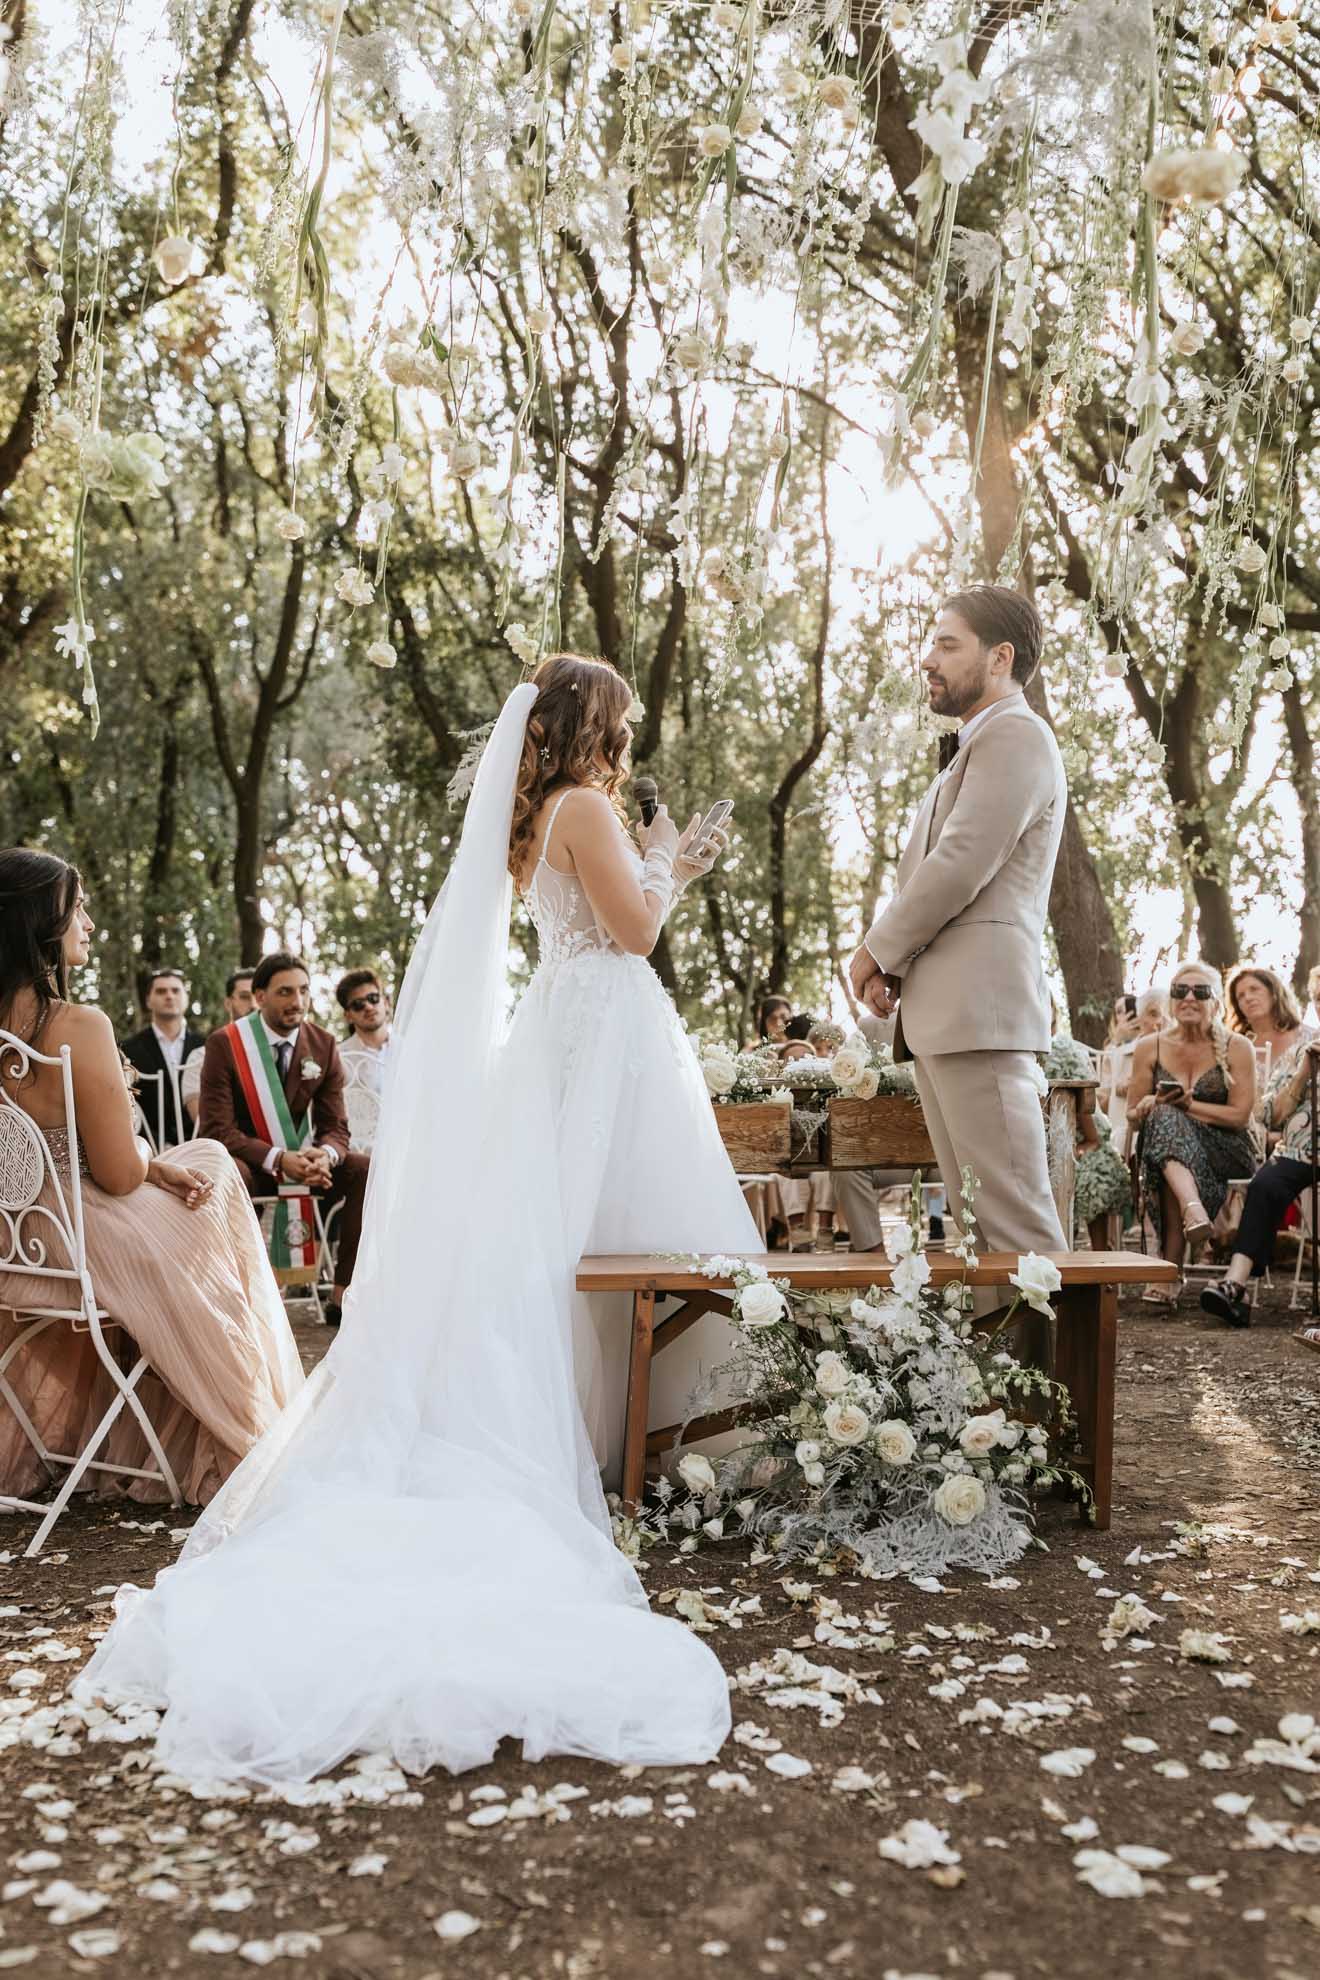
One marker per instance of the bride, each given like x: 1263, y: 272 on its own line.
x: 417, y: 1559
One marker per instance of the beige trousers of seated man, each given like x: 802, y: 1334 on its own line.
x: 983, y: 1113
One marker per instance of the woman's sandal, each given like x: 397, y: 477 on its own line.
x: 1166, y: 1296
x: 1196, y: 1225
x: 1308, y: 1337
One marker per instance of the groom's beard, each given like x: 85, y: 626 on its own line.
x: 945, y: 700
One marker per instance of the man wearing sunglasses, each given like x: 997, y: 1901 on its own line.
x: 365, y: 1003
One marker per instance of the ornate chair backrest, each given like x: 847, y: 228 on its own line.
x: 361, y: 1101
x: 33, y: 1233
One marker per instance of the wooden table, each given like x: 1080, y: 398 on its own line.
x: 1084, y: 1349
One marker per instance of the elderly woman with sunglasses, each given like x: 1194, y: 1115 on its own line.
x: 1192, y: 1092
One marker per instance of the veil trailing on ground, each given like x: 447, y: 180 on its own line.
x: 417, y: 1558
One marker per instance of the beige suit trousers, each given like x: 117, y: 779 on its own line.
x: 983, y: 1113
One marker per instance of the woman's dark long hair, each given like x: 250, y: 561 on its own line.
x: 38, y: 898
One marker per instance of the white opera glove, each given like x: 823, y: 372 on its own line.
x: 658, y: 876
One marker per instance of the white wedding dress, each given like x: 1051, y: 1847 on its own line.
x: 417, y: 1560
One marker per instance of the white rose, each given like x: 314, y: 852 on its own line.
x: 538, y: 320
x: 832, y: 1374
x: 464, y: 458
x: 900, y: 17
x: 176, y: 257
x: 1036, y: 1278
x: 67, y: 426
x: 381, y: 653
x: 760, y: 1305
x: 692, y: 351
x: 1187, y: 338
x: 980, y: 1434
x: 354, y: 587
x: 713, y: 140
x: 793, y: 85
x: 696, y: 1472
x: 725, y: 15
x: 895, y: 1442
x: 749, y: 123
x: 719, y: 1072
x: 1300, y: 330
x: 960, y: 1500
x: 1293, y: 371
x: 847, y: 1065
x: 777, y: 446
x: 836, y: 92
x: 868, y: 1085
x: 623, y: 57
x: 1251, y: 558
x: 846, y: 1423
x: 291, y: 527
x: 808, y: 1451
x: 1201, y: 174
x: 814, y: 1474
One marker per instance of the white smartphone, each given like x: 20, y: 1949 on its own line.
x: 715, y: 818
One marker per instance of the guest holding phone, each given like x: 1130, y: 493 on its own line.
x: 1192, y: 1092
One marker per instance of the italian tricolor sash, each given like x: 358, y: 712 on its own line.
x: 294, y: 1241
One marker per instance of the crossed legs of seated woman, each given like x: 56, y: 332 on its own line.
x: 1192, y: 1091
x: 173, y: 1247
x: 1286, y: 1111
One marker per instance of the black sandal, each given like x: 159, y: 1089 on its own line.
x: 1228, y: 1302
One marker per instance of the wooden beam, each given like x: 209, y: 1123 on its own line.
x: 656, y: 1274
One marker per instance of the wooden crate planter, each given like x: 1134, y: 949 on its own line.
x: 885, y: 1133
x: 756, y: 1136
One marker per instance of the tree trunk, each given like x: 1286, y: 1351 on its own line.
x: 1184, y: 776
x: 156, y: 913
x: 249, y: 859
x: 1302, y: 747
x: 1084, y: 933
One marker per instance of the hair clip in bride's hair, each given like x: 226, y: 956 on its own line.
x: 545, y: 752
x: 573, y: 688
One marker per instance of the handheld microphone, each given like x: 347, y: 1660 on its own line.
x: 647, y: 793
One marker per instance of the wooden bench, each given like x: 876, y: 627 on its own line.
x: 1085, y: 1341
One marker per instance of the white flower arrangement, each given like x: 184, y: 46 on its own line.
x: 878, y: 1425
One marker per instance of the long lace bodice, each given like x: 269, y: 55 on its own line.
x: 564, y: 919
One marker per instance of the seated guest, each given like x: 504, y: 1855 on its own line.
x: 1116, y: 1062
x: 1192, y: 1092
x: 772, y: 1019
x: 799, y: 1028
x: 174, y: 1251
x: 161, y: 1047
x: 1103, y: 1186
x: 825, y: 1037
x: 238, y: 1002
x: 1276, y: 1185
x: 273, y: 1093
x: 1262, y: 1008
x: 362, y: 998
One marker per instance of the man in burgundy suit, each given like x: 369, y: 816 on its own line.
x: 312, y: 1075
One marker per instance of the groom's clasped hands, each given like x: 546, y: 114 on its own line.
x: 872, y: 986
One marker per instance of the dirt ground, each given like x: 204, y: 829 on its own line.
x: 993, y: 1717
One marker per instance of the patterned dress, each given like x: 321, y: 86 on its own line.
x: 1216, y: 1156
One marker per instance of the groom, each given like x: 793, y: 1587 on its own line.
x: 957, y: 951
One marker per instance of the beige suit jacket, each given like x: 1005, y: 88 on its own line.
x: 966, y: 930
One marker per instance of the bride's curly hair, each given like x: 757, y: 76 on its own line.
x: 575, y: 735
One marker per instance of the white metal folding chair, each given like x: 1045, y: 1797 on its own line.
x: 149, y: 1092
x: 361, y: 1102
x: 1307, y: 1236
x: 31, y: 1234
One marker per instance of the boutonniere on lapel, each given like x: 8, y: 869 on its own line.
x: 310, y: 1068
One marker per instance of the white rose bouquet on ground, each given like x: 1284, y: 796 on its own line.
x: 879, y: 1425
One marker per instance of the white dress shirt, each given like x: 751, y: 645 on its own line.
x: 171, y: 1049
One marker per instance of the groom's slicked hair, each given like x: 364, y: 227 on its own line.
x: 1000, y: 617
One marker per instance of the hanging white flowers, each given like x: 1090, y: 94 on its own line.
x: 1251, y: 559
x: 291, y: 527
x: 354, y: 587
x: 1187, y: 338
x: 381, y: 653
x: 1204, y: 175
x: 713, y: 140
x: 693, y: 352
x: 176, y: 258
x: 125, y: 466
